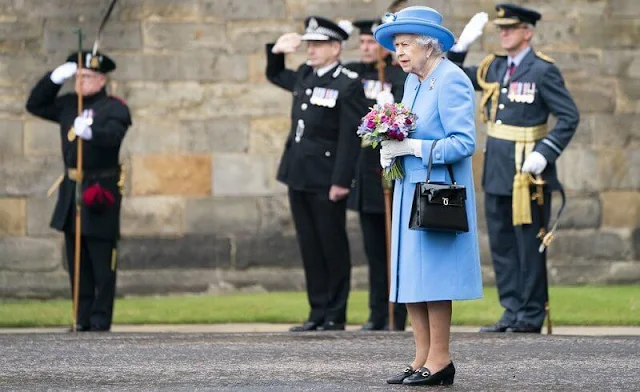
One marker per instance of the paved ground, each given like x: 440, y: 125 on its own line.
x: 317, y: 361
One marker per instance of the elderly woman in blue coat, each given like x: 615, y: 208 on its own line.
x: 430, y: 269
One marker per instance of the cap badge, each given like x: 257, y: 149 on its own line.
x: 313, y: 24
x: 500, y: 12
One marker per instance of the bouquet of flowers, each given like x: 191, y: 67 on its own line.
x: 391, y: 121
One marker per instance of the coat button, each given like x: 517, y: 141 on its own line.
x: 295, y: 93
x: 327, y: 153
x: 499, y: 122
x: 501, y: 106
x: 504, y: 90
x: 308, y: 91
x: 304, y: 106
x: 437, y: 156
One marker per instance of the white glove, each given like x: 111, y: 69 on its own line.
x: 471, y: 32
x: 384, y: 96
x: 82, y: 127
x: 534, y: 164
x: 287, y: 43
x: 63, y: 72
x: 393, y: 148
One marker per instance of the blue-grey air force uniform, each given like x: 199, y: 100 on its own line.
x: 534, y: 91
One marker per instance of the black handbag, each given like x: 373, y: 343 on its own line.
x: 439, y: 206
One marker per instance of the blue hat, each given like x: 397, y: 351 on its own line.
x: 413, y: 20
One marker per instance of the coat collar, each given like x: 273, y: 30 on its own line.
x: 524, y: 65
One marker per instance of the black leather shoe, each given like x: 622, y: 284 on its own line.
x: 523, y: 328
x: 331, y: 326
x: 371, y: 326
x: 307, y: 326
x: 497, y: 327
x: 97, y: 328
x: 397, y: 378
x: 423, y: 376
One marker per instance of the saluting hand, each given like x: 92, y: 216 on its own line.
x: 471, y: 32
x: 63, y: 72
x: 337, y: 193
x: 287, y: 43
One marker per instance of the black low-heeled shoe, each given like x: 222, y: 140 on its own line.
x: 398, y: 378
x: 423, y: 376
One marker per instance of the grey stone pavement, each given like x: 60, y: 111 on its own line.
x: 189, y: 358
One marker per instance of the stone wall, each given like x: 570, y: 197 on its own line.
x: 203, y: 212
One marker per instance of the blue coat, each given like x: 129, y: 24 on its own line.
x: 429, y: 265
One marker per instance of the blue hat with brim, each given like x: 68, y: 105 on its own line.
x: 417, y: 20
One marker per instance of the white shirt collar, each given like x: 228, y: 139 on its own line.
x: 518, y: 58
x: 321, y: 71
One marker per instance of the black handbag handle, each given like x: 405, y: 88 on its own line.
x: 433, y: 145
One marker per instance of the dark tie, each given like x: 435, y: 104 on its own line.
x: 511, y: 70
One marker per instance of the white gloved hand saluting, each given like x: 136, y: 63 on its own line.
x: 471, y: 32
x: 534, y: 164
x: 82, y: 127
x: 392, y: 149
x: 63, y: 72
x: 287, y: 43
x: 384, y: 96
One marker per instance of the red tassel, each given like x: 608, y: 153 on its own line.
x: 97, y: 197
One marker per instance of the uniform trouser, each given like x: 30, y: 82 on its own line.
x: 375, y: 247
x: 519, y: 268
x: 324, y: 246
x: 97, y: 280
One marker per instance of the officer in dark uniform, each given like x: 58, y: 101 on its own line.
x: 102, y: 126
x: 520, y: 89
x: 318, y: 162
x: 366, y: 195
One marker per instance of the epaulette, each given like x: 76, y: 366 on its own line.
x: 346, y: 71
x: 545, y: 57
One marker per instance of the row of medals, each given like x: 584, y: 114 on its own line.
x: 522, y: 92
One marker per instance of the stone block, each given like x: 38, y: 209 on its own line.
x: 160, y: 10
x: 41, y: 138
x: 231, y: 9
x: 564, y: 10
x: 34, y: 285
x: 223, y: 216
x: 621, y: 9
x: 200, y: 66
x: 621, y: 209
x: 619, y: 169
x: 184, y: 36
x: 153, y: 137
x: 243, y: 35
x: 191, y: 251
x: 268, y: 134
x: 156, y: 215
x: 59, y: 37
x: 556, y: 35
x: 604, y: 244
x: 11, y: 136
x: 19, y: 36
x: 30, y: 254
x: 615, y: 131
x: 257, y: 100
x: 580, y: 212
x: 611, y: 33
x: 578, y: 168
x: 39, y: 212
x: 13, y: 216
x: 18, y: 70
x: 593, y: 95
x: 270, y: 250
x: 257, y: 67
x: 593, y: 272
x: 275, y: 215
x: 155, y: 100
x: 188, y: 175
x: 624, y: 63
x: 336, y: 9
x: 242, y: 175
x: 76, y: 10
x: 225, y: 134
x: 575, y: 64
x: 28, y: 176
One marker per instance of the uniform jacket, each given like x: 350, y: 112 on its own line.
x: 111, y: 119
x: 322, y: 147
x: 432, y: 265
x: 366, y: 189
x: 550, y: 96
